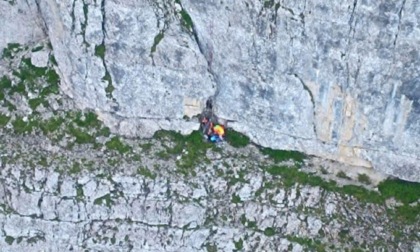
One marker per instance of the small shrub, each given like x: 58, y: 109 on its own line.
x: 363, y: 178
x: 236, y: 199
x: 239, y: 244
x: 9, y: 239
x: 343, y: 175
x: 269, y: 231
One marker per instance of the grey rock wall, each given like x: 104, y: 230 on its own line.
x: 335, y: 79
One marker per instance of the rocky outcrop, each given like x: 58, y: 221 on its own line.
x: 56, y: 199
x: 336, y: 80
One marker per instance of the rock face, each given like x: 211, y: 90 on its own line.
x: 337, y: 80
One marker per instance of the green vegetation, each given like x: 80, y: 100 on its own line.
x: 79, y: 193
x: 87, y: 120
x: 283, y: 155
x: 343, y: 175
x: 156, y: 41
x: 186, y: 20
x: 211, y: 247
x: 51, y: 125
x: 11, y: 49
x: 363, y: 178
x: 110, y: 88
x: 192, y: 149
x: 406, y: 192
x: 3, y: 120
x: 104, y: 199
x: 116, y: 144
x: 20, y: 126
x: 81, y: 136
x: 146, y: 172
x: 236, y: 199
x: 239, y: 244
x: 236, y: 139
x: 9, y: 240
x: 311, y: 244
x: 268, y: 3
x: 100, y: 51
x: 269, y: 231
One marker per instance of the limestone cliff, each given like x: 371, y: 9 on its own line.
x: 338, y: 79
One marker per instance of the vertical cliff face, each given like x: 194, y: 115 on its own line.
x: 337, y: 79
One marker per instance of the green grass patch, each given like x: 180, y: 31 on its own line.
x: 291, y: 176
x: 9, y: 239
x: 76, y: 168
x: 110, y: 88
x: 409, y: 214
x: 283, y: 155
x: 186, y: 20
x: 4, y: 120
x: 79, y: 193
x: 406, y: 192
x: 100, y: 51
x: 11, y: 48
x: 81, y: 136
x: 51, y: 125
x: 192, y: 148
x: 269, y: 231
x: 236, y: 139
x: 20, y: 126
x: 236, y: 199
x: 106, y: 199
x: 146, y: 173
x: 116, y: 144
x: 5, y: 83
x: 239, y: 244
x: 104, y: 131
x: 34, y: 103
x: 156, y: 41
x: 87, y: 120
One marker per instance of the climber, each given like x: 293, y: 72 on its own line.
x: 217, y: 135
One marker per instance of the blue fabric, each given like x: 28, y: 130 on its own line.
x: 215, y: 138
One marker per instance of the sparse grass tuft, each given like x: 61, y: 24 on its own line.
x: 343, y: 175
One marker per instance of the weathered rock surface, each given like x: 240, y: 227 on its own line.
x: 231, y: 202
x: 337, y: 80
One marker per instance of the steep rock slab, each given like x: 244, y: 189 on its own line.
x: 336, y: 80
x: 133, y: 62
